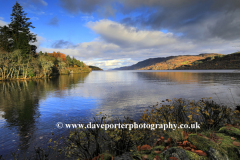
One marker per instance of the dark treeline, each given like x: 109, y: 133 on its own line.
x: 18, y: 57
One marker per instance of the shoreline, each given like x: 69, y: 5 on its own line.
x: 36, y: 78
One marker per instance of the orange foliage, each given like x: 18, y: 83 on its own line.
x: 200, y: 153
x: 58, y: 54
x: 144, y: 147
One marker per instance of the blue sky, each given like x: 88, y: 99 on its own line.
x: 116, y: 33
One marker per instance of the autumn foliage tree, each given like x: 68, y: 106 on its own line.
x: 18, y: 57
x: 58, y: 54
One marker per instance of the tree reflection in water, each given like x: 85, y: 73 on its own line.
x: 19, y: 108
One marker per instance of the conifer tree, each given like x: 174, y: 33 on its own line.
x: 5, y: 39
x: 17, y: 35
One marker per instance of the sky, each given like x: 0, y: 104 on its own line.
x: 115, y: 33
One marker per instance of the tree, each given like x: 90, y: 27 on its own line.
x: 46, y: 65
x: 21, y: 37
x: 5, y: 39
x: 77, y: 62
x: 40, y: 53
x: 61, y: 64
x: 69, y: 61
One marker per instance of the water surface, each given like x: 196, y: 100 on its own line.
x: 29, y: 110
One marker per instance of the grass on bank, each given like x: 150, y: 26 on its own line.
x: 90, y: 143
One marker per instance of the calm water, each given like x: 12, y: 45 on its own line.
x: 29, y: 110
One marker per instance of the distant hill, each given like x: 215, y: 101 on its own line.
x: 166, y: 63
x: 141, y: 64
x: 94, y: 68
x: 230, y: 61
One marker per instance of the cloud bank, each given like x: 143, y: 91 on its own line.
x: 128, y: 31
x: 121, y: 45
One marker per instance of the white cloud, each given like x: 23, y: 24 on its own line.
x: 2, y: 23
x: 118, y: 45
x: 109, y: 64
x: 88, y: 50
x: 129, y: 36
x: 40, y: 40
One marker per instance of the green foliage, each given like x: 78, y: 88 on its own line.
x: 14, y: 65
x: 46, y: 65
x: 61, y: 64
x: 207, y: 113
x: 9, y: 63
x: 220, y: 56
x: 40, y: 53
x: 197, y: 62
x: 18, y: 57
x: 31, y: 72
x: 51, y: 58
x: 5, y: 39
x: 230, y: 61
x: 212, y: 58
x: 236, y: 53
x: 85, y: 143
x: 17, y: 34
x: 121, y: 140
x: 73, y: 62
x: 69, y: 61
x: 90, y: 143
x: 77, y: 62
x: 94, y: 68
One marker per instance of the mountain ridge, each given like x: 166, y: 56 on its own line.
x: 172, y: 62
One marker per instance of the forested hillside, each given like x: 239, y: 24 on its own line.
x: 18, y: 57
x: 145, y: 63
x: 175, y: 62
x: 41, y: 65
x: 201, y: 61
x: 166, y: 63
x: 94, y: 68
x: 230, y: 61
